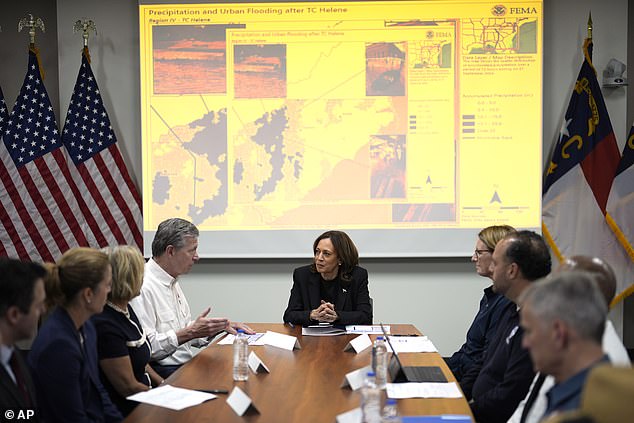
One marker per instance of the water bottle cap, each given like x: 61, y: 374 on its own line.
x: 240, y: 330
x: 390, y: 401
x: 371, y: 374
x: 379, y: 338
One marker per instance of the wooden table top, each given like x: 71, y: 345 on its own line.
x: 302, y: 386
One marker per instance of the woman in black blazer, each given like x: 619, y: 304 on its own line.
x: 333, y: 289
x: 63, y: 358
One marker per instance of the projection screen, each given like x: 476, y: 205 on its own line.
x: 410, y: 125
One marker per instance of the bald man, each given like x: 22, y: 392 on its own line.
x: 611, y: 343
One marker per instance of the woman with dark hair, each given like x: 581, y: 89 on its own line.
x: 333, y: 289
x: 63, y: 358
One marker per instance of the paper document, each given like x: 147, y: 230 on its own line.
x: 323, y: 330
x: 423, y: 390
x: 369, y: 329
x: 172, y: 397
x: 404, y: 344
x: 255, y: 339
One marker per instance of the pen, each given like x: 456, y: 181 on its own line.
x: 406, y: 334
x: 213, y: 391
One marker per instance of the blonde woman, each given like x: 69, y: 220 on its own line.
x: 124, y: 351
x: 492, y: 304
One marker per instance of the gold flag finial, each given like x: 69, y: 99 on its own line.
x: 85, y: 26
x: 590, y: 25
x: 31, y: 23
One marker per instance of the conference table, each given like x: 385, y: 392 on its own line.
x: 303, y: 385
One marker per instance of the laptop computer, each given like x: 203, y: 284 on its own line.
x: 399, y: 373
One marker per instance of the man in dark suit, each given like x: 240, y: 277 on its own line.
x: 22, y: 298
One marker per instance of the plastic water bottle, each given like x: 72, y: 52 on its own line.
x: 240, y: 357
x: 370, y: 400
x: 379, y: 362
x: 390, y: 412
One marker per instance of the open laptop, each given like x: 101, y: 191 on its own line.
x: 399, y: 373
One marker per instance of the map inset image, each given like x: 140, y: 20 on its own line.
x: 499, y: 36
x: 189, y: 59
x: 430, y: 54
x: 385, y: 69
x: 387, y: 158
x: 260, y: 71
x: 188, y: 160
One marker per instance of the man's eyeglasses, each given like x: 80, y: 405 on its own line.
x: 479, y: 253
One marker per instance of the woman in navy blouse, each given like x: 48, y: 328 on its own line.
x: 470, y: 355
x: 123, y: 349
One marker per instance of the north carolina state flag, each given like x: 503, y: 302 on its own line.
x: 579, y: 178
x: 620, y: 208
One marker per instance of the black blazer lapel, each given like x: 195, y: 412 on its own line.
x: 9, y: 393
x: 342, y: 297
x: 314, y: 290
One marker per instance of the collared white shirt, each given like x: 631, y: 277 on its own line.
x: 5, y: 356
x: 162, y: 310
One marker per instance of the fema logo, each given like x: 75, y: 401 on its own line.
x: 430, y: 34
x: 498, y: 10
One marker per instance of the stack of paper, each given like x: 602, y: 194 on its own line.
x: 323, y: 330
x: 172, y: 397
x: 423, y: 390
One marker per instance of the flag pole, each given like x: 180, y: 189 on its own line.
x: 32, y: 23
x: 85, y: 26
x: 590, y: 25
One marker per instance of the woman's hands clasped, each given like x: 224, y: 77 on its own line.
x: 324, y: 313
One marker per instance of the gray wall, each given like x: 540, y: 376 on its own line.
x: 14, y: 48
x: 439, y: 296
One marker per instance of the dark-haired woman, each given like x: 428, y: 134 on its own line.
x: 333, y: 289
x: 63, y: 358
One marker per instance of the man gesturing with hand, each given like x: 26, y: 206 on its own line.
x: 162, y: 307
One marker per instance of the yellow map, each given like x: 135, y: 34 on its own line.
x: 343, y: 115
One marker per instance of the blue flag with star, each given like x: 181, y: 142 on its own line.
x: 586, y: 136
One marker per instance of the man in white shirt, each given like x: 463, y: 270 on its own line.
x: 612, y: 344
x: 162, y: 307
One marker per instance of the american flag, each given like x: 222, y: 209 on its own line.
x: 4, y: 113
x: 38, y: 199
x: 106, y: 187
